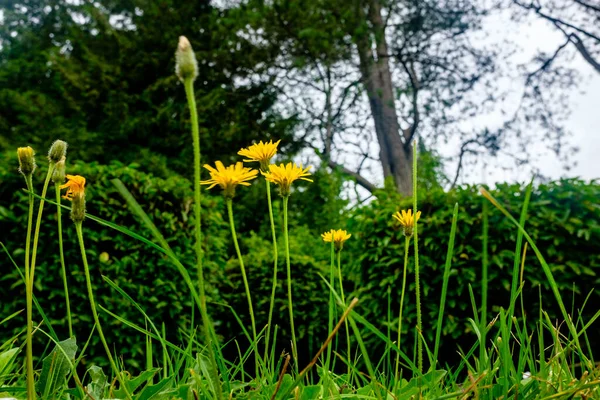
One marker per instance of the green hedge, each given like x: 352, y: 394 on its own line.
x: 563, y: 219
x: 142, y: 272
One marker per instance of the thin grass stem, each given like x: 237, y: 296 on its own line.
x: 330, y: 316
x: 38, y: 223
x: 484, y: 290
x: 417, y: 279
x: 339, y: 258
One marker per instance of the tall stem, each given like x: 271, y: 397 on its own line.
x: 275, y: 260
x: 289, y: 280
x: 29, y: 295
x: 330, y: 319
x: 88, y: 282
x: 417, y: 281
x: 339, y: 261
x: 206, y: 324
x: 38, y: 223
x: 246, y: 286
x: 62, y: 258
x: 406, y: 246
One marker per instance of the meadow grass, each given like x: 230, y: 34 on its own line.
x: 503, y: 363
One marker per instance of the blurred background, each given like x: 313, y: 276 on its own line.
x: 494, y: 91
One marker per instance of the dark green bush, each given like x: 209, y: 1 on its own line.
x: 563, y: 219
x: 142, y: 272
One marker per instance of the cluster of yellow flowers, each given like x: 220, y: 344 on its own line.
x: 282, y: 175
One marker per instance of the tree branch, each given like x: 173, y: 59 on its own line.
x: 584, y: 52
x: 587, y: 5
x: 361, y: 180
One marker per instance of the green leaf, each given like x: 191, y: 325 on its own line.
x: 55, y: 368
x: 7, y: 361
x: 155, y: 392
x: 133, y: 384
x: 98, y: 384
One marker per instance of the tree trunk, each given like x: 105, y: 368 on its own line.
x: 395, y: 155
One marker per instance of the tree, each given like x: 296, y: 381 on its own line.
x: 101, y: 76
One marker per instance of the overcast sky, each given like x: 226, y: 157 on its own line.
x: 584, y: 121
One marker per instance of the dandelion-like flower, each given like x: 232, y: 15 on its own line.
x: 76, y: 193
x: 284, y: 174
x: 407, y: 220
x: 228, y: 178
x: 261, y: 152
x: 338, y: 237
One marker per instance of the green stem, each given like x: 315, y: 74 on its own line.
x: 29, y: 296
x: 484, y: 287
x: 406, y: 246
x: 62, y: 258
x: 88, y: 281
x: 206, y: 323
x: 38, y: 223
x: 330, y: 319
x: 289, y: 280
x: 417, y: 281
x: 339, y: 258
x: 246, y: 286
x: 273, y: 289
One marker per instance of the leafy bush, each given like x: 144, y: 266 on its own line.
x: 563, y: 219
x: 142, y: 272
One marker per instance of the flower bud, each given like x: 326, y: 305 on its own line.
x: 58, y: 176
x: 26, y: 160
x: 186, y: 66
x: 57, y: 151
x: 78, y: 207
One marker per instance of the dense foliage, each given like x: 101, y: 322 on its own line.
x: 563, y: 219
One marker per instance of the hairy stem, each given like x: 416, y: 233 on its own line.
x: 275, y: 260
x: 29, y: 296
x: 406, y: 247
x: 246, y: 286
x: 289, y: 280
x: 62, y: 258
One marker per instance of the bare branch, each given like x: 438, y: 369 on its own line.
x: 584, y: 52
x: 587, y: 5
x: 361, y: 180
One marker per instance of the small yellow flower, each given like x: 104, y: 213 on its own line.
x: 228, y: 178
x: 337, y: 236
x: 407, y: 220
x: 284, y: 174
x: 76, y: 193
x: 75, y: 185
x: 261, y: 152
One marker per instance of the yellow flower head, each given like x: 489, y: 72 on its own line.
x: 76, y: 193
x: 407, y: 220
x: 228, y: 178
x: 261, y: 152
x: 75, y: 186
x: 284, y: 174
x: 337, y: 236
x: 26, y: 160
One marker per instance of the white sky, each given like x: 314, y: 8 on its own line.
x: 583, y: 122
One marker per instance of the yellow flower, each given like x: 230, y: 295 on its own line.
x: 407, y: 220
x: 261, y: 152
x: 76, y: 193
x: 75, y: 185
x: 284, y: 174
x: 337, y: 236
x: 228, y: 178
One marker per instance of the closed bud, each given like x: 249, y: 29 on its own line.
x: 26, y: 160
x: 186, y: 66
x: 78, y: 207
x: 58, y: 176
x: 57, y: 151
